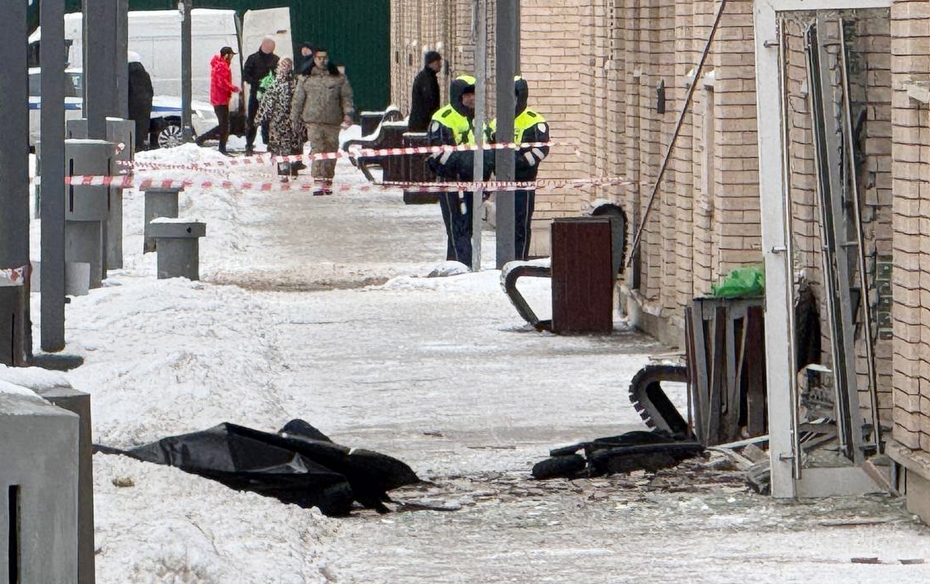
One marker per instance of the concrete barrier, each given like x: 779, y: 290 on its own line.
x: 177, y: 242
x: 159, y: 202
x: 122, y: 133
x: 77, y: 278
x: 87, y: 207
x: 39, y: 488
x: 78, y: 402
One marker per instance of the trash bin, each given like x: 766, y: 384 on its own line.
x: 726, y: 366
x: 418, y: 170
x: 583, y: 275
x: 394, y: 166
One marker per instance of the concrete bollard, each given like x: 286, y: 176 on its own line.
x: 78, y: 402
x: 77, y: 277
x: 76, y: 129
x: 39, y: 483
x: 122, y: 133
x: 177, y: 241
x: 159, y: 202
x: 87, y: 207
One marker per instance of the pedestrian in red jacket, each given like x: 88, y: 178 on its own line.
x: 221, y: 90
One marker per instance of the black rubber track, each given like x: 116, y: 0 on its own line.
x: 653, y: 405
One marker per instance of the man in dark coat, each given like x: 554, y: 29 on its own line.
x: 257, y: 67
x: 140, y: 98
x: 304, y: 63
x: 425, y: 94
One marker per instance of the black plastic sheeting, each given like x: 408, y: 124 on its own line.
x: 299, y: 465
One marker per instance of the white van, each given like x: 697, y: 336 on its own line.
x: 156, y: 36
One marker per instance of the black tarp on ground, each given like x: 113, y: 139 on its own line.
x: 299, y: 465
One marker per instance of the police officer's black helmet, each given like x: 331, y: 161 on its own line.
x: 522, y: 92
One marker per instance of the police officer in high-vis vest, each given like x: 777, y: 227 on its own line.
x: 528, y: 127
x: 453, y: 125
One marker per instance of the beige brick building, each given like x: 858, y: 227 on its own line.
x: 597, y: 70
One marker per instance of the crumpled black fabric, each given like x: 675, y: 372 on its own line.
x: 299, y: 465
x: 636, y: 450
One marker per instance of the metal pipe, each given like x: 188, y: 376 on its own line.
x: 99, y: 66
x: 16, y: 343
x: 186, y: 127
x: 860, y: 243
x: 52, y: 130
x: 481, y: 61
x: 14, y: 129
x: 678, y: 124
x: 121, y: 62
x: 506, y: 32
x: 789, y: 262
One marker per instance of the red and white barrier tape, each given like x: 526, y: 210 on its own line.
x: 351, y: 153
x: 125, y: 182
x: 13, y: 276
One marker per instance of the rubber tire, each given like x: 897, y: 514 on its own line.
x: 170, y: 136
x: 559, y: 466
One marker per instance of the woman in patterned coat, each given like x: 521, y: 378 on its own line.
x: 284, y: 137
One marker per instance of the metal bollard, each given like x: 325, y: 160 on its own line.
x: 87, y: 207
x: 159, y: 202
x: 177, y: 241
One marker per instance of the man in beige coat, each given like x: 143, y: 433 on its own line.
x: 323, y: 101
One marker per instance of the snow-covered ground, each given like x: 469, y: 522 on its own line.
x: 321, y: 308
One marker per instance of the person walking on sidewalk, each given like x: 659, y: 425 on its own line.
x: 258, y: 66
x: 453, y: 125
x: 285, y: 137
x: 221, y: 90
x: 323, y: 102
x: 528, y: 127
x: 424, y: 100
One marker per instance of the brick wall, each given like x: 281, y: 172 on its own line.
x: 594, y: 67
x: 910, y: 175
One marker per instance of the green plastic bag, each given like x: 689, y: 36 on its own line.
x: 741, y: 282
x: 265, y: 84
